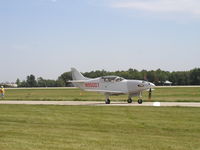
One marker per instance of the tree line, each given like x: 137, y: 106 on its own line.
x: 158, y: 77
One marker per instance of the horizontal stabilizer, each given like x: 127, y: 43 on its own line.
x: 77, y: 81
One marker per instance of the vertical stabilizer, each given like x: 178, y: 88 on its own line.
x: 76, y: 75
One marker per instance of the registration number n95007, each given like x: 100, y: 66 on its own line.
x: 94, y: 85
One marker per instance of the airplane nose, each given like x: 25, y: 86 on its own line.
x: 152, y: 85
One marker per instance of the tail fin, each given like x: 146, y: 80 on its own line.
x: 76, y: 75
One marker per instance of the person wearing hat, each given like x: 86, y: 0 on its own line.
x: 2, y: 91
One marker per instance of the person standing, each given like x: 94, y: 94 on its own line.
x: 2, y: 91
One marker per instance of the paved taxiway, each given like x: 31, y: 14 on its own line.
x: 95, y: 103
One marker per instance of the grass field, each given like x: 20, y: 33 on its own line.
x: 177, y: 94
x: 29, y: 127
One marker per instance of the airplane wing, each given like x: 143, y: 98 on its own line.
x: 105, y: 91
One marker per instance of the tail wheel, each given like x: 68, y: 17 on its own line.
x: 140, y: 101
x: 107, y: 101
x: 130, y: 100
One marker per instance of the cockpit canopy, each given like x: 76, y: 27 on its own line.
x: 112, y: 78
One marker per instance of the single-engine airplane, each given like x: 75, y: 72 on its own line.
x: 112, y: 85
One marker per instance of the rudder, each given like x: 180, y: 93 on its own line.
x: 76, y: 75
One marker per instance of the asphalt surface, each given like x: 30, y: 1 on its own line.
x: 95, y: 103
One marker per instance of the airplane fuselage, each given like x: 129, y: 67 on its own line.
x: 110, y: 85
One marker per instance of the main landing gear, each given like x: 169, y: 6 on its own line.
x: 140, y: 98
x: 129, y: 100
x: 140, y: 101
x: 107, y: 101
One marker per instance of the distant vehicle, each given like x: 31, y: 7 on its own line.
x: 112, y: 85
x: 12, y: 85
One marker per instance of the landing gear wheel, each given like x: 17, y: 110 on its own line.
x: 107, y: 101
x: 140, y: 101
x: 130, y: 100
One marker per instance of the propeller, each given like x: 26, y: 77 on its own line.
x: 150, y: 91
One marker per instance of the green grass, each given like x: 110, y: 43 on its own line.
x: 178, y: 94
x: 26, y: 127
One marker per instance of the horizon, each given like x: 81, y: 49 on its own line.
x: 94, y: 71
x: 47, y: 37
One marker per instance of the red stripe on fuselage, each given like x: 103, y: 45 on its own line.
x: 93, y: 85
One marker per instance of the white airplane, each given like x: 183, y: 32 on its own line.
x: 112, y: 85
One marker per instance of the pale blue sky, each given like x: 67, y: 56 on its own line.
x: 48, y: 37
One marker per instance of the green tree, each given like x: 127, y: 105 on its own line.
x: 195, y: 76
x: 60, y: 83
x: 23, y: 84
x: 64, y: 78
x: 18, y: 82
x: 41, y: 82
x: 30, y: 81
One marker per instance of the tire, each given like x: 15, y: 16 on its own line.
x: 107, y: 101
x: 129, y: 100
x: 140, y: 101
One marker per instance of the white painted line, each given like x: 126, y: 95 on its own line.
x: 157, y: 104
